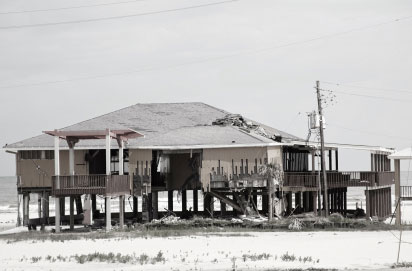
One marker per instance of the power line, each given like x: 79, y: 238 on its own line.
x: 115, y: 17
x: 372, y: 96
x: 254, y: 51
x: 370, y: 88
x: 66, y: 8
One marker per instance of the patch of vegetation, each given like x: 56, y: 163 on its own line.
x: 402, y: 265
x: 255, y: 257
x: 103, y: 257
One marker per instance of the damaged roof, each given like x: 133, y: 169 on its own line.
x: 165, y: 125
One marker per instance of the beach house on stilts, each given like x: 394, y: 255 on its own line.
x: 205, y: 153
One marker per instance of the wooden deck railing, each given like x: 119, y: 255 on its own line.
x: 406, y: 192
x: 340, y: 178
x: 90, y: 184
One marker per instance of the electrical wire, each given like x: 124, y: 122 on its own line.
x: 67, y: 8
x: 116, y: 17
x: 200, y: 61
x: 370, y: 88
x: 371, y: 96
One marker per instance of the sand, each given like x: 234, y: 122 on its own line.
x: 342, y: 250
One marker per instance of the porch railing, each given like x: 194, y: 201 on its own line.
x: 90, y: 184
x: 340, y: 178
x: 406, y: 192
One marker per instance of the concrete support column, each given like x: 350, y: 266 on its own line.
x: 88, y: 215
x: 195, y: 201
x: 184, y: 200
x: 108, y: 173
x: 57, y: 180
x: 155, y: 204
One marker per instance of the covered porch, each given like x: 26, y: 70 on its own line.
x: 74, y: 185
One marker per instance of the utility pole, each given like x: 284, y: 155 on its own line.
x: 322, y: 149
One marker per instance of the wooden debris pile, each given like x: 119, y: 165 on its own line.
x: 247, y: 126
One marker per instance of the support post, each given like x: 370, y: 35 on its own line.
x: 289, y: 202
x: 270, y: 201
x: 39, y: 201
x: 26, y: 201
x: 155, y: 204
x: 184, y: 201
x: 315, y: 202
x: 57, y: 180
x: 398, y: 191
x: 135, y: 204
x: 45, y: 204
x: 121, y: 172
x: 108, y: 173
x: 223, y: 208
x: 195, y: 201
x: 94, y: 205
x: 170, y: 200
x: 71, y: 212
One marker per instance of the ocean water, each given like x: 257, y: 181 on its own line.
x: 8, y: 192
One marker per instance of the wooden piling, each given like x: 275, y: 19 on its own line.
x: 94, y: 205
x: 170, y: 200
x: 135, y: 204
x: 26, y: 202
x: 71, y: 212
x: 195, y: 201
x: 184, y: 200
x: 155, y: 204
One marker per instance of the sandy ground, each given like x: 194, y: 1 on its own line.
x: 342, y: 250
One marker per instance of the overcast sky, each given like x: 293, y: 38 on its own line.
x: 258, y: 58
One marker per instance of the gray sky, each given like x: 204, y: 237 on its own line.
x: 258, y: 58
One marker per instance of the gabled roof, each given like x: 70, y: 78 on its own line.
x: 162, y: 124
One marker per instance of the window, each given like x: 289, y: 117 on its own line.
x: 114, y: 162
x: 37, y: 155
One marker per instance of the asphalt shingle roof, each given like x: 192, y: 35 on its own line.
x: 163, y: 124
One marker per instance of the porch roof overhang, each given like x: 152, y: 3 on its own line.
x: 124, y: 134
x: 334, y: 146
x: 405, y: 154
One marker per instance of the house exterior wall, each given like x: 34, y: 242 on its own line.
x: 253, y: 155
x: 38, y: 172
x: 140, y: 162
